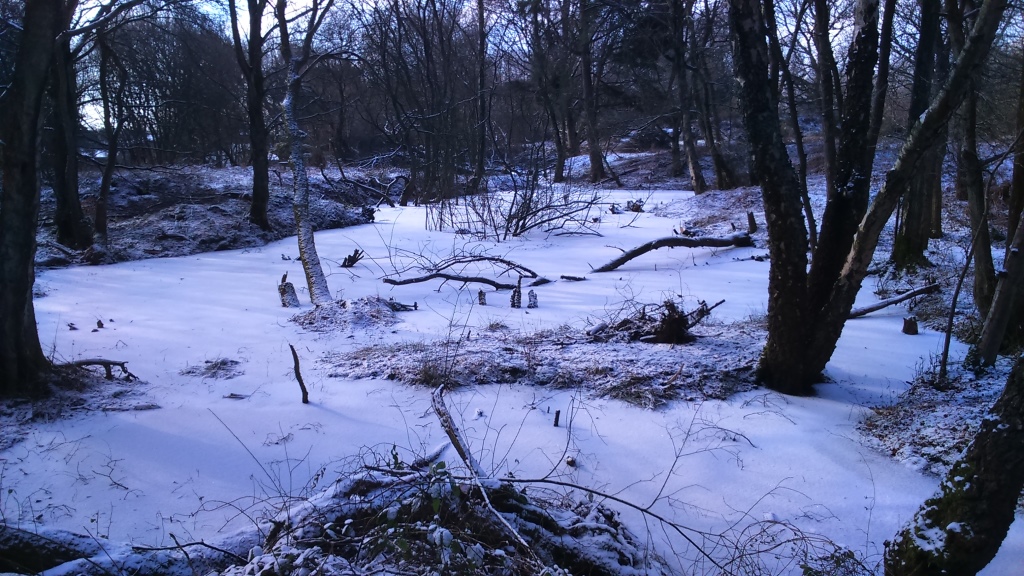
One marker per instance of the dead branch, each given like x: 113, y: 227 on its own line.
x: 108, y: 366
x: 929, y: 289
x: 298, y: 376
x: 509, y: 265
x: 475, y: 470
x: 353, y: 259
x: 739, y: 239
x: 453, y: 278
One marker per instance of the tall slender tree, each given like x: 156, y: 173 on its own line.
x: 250, y: 55
x: 299, y: 58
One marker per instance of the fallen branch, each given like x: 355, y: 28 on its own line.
x: 108, y: 366
x: 298, y: 376
x: 453, y: 278
x: 475, y: 470
x: 739, y: 239
x: 929, y: 289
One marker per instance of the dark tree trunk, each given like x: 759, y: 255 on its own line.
x: 250, y: 60
x: 1004, y: 314
x: 481, y: 95
x: 786, y: 80
x: 682, y: 11
x: 22, y: 363
x: 882, y: 78
x: 826, y: 89
x: 783, y: 363
x: 911, y: 241
x: 113, y: 122
x: 971, y: 177
x: 73, y: 229
x: 586, y: 40
x: 1017, y: 183
x: 959, y: 530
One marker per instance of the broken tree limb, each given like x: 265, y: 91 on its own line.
x: 453, y: 278
x: 475, y: 470
x: 298, y: 376
x: 108, y: 366
x: 857, y: 313
x: 738, y: 239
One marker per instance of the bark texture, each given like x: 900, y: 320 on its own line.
x: 959, y: 530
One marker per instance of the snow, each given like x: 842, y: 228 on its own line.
x: 213, y: 437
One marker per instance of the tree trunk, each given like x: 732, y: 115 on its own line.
x: 73, y: 229
x: 959, y: 530
x: 113, y: 122
x: 682, y: 11
x: 1007, y: 297
x: 1017, y: 182
x: 972, y: 178
x: 481, y: 95
x: 786, y: 80
x: 22, y: 362
x: 911, y: 241
x: 250, y: 60
x: 826, y: 88
x: 319, y: 293
x: 586, y: 40
x: 783, y: 361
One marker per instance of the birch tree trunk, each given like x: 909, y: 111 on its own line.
x: 319, y: 293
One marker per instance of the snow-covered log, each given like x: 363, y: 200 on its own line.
x: 738, y: 239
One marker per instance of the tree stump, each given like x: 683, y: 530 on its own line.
x: 289, y: 299
x: 531, y: 299
x: 910, y: 325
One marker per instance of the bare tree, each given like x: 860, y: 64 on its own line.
x: 250, y: 59
x: 808, y: 305
x: 299, y: 59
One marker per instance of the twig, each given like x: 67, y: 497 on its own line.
x: 181, y: 547
x: 646, y: 510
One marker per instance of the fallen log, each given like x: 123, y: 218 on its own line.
x: 929, y: 289
x: 739, y: 239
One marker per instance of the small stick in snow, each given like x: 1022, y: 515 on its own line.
x: 298, y: 376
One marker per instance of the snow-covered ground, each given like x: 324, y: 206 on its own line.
x: 214, y: 435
